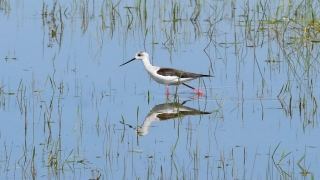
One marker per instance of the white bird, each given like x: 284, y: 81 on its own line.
x: 166, y: 76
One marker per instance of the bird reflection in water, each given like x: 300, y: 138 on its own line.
x: 166, y: 111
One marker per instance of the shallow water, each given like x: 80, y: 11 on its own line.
x: 69, y: 111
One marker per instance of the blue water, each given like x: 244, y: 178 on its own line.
x: 67, y: 95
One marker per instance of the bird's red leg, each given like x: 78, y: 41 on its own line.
x: 195, y: 89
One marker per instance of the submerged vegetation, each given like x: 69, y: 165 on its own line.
x: 66, y: 112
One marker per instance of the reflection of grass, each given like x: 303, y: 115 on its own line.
x: 292, y: 31
x: 287, y: 174
x: 278, y: 163
x: 304, y: 172
x: 5, y: 6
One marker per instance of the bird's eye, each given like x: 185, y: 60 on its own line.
x: 139, y: 55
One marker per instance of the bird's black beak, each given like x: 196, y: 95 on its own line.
x: 128, y: 62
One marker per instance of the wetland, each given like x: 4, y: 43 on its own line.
x: 68, y: 111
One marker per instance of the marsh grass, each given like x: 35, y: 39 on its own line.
x: 289, y: 33
x: 5, y: 7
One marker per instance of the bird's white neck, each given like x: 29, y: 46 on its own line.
x: 147, y: 64
x: 144, y: 128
